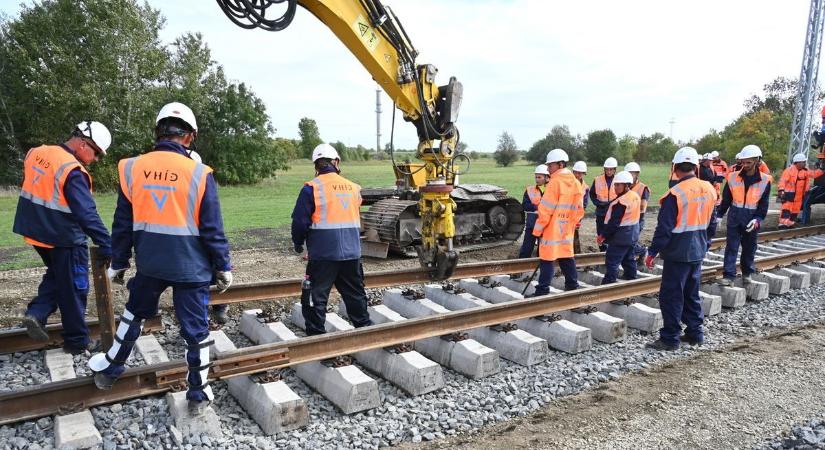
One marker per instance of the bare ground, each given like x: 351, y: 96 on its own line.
x: 730, y: 398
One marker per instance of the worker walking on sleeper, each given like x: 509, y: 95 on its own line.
x: 621, y: 230
x: 530, y: 204
x: 168, y: 210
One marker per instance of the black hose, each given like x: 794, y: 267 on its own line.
x: 250, y: 14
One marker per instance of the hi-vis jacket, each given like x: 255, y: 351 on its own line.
x: 560, y: 209
x: 685, y: 221
x: 622, y: 220
x: 643, y: 192
x: 530, y: 204
x: 56, y: 208
x: 168, y: 209
x: 602, y: 193
x: 794, y: 183
x: 746, y: 196
x: 327, y: 217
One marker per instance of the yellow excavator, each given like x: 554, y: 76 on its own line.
x: 372, y: 32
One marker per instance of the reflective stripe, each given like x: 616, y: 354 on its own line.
x: 127, y: 172
x: 335, y: 226
x: 534, y: 194
x: 321, y: 197
x: 686, y: 211
x: 39, y: 201
x: 561, y: 242
x: 682, y: 226
x: 165, y: 229
x: 194, y: 188
x: 747, y: 200
x: 57, y: 176
x: 549, y: 205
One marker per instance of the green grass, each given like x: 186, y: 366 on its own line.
x: 268, y: 205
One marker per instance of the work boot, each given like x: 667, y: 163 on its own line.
x: 103, y: 381
x: 219, y: 314
x: 93, y: 346
x: 725, y: 282
x: 746, y: 280
x: 197, y: 408
x: 659, y: 344
x: 690, y: 340
x: 34, y: 328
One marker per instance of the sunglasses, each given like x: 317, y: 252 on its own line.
x: 90, y: 139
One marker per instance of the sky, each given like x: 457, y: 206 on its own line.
x: 632, y: 66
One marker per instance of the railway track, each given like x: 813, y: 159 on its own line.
x: 442, y: 324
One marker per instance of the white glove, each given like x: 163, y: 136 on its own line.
x: 224, y: 280
x: 752, y: 225
x: 718, y: 220
x: 116, y: 275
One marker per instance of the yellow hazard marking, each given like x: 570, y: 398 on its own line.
x: 367, y: 33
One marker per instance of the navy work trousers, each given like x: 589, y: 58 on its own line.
x: 348, y: 278
x: 546, y: 271
x: 624, y: 255
x: 529, y: 242
x: 66, y: 286
x: 735, y: 237
x: 679, y: 301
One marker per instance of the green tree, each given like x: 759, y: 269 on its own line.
x: 600, y: 145
x: 654, y: 148
x: 626, y: 148
x: 310, y: 136
x: 559, y: 137
x: 709, y: 142
x: 507, y: 150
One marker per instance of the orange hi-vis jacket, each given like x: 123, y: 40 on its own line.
x: 560, y: 210
x: 764, y: 168
x: 639, y: 189
x: 695, y: 201
x: 794, y: 183
x: 166, y: 190
x: 604, y: 194
x: 628, y: 231
x: 336, y: 221
x: 44, y: 217
x: 749, y: 200
x: 720, y: 168
x: 534, y: 194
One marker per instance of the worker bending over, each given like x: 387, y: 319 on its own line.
x: 579, y: 171
x: 643, y: 192
x: 55, y: 213
x: 684, y: 225
x: 168, y: 210
x: 602, y: 193
x: 327, y: 218
x: 560, y: 210
x: 746, y: 195
x: 793, y: 185
x: 621, y: 230
x: 530, y: 203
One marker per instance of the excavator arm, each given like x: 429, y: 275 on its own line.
x: 373, y: 34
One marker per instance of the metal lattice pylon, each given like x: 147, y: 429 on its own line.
x: 805, y: 101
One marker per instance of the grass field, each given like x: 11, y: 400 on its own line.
x: 268, y: 205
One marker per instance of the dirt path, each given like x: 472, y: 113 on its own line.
x: 730, y: 398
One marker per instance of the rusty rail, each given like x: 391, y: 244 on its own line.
x: 50, y: 398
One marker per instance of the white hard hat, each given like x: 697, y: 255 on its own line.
x: 632, y: 167
x: 195, y: 156
x: 686, y: 155
x: 610, y: 163
x: 623, y: 177
x: 714, y: 154
x: 800, y: 157
x: 750, y: 151
x: 97, y: 132
x: 738, y: 155
x: 324, y: 151
x: 580, y: 166
x: 179, y: 110
x: 706, y: 156
x: 557, y: 155
x: 541, y: 169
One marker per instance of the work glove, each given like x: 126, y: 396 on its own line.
x: 753, y: 225
x: 578, y: 225
x: 299, y: 248
x: 600, y: 240
x: 649, y: 261
x: 223, y: 281
x: 116, y: 275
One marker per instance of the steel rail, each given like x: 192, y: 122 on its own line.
x: 16, y: 340
x: 53, y: 398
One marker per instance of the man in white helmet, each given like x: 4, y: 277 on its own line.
x: 560, y: 209
x: 719, y: 166
x: 643, y: 192
x: 327, y: 218
x: 168, y: 211
x: 55, y: 213
x: 684, y: 226
x: 621, y: 229
x: 579, y: 171
x: 795, y: 182
x: 530, y: 204
x: 602, y: 193
x: 747, y: 195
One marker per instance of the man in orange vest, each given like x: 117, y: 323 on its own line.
x: 643, y: 192
x: 602, y: 193
x: 530, y: 204
x: 746, y: 194
x: 168, y: 210
x: 560, y: 210
x: 793, y: 185
x: 55, y: 213
x: 579, y: 171
x: 327, y: 218
x: 621, y: 230
x: 684, y: 226
x: 719, y: 166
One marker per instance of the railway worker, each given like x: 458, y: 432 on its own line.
x: 684, y: 225
x: 326, y: 217
x: 602, y: 193
x: 746, y: 195
x: 705, y: 170
x: 579, y: 171
x: 168, y: 210
x: 793, y: 185
x: 560, y: 210
x: 719, y: 166
x: 55, y: 213
x: 643, y: 192
x: 621, y: 229
x: 530, y: 204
